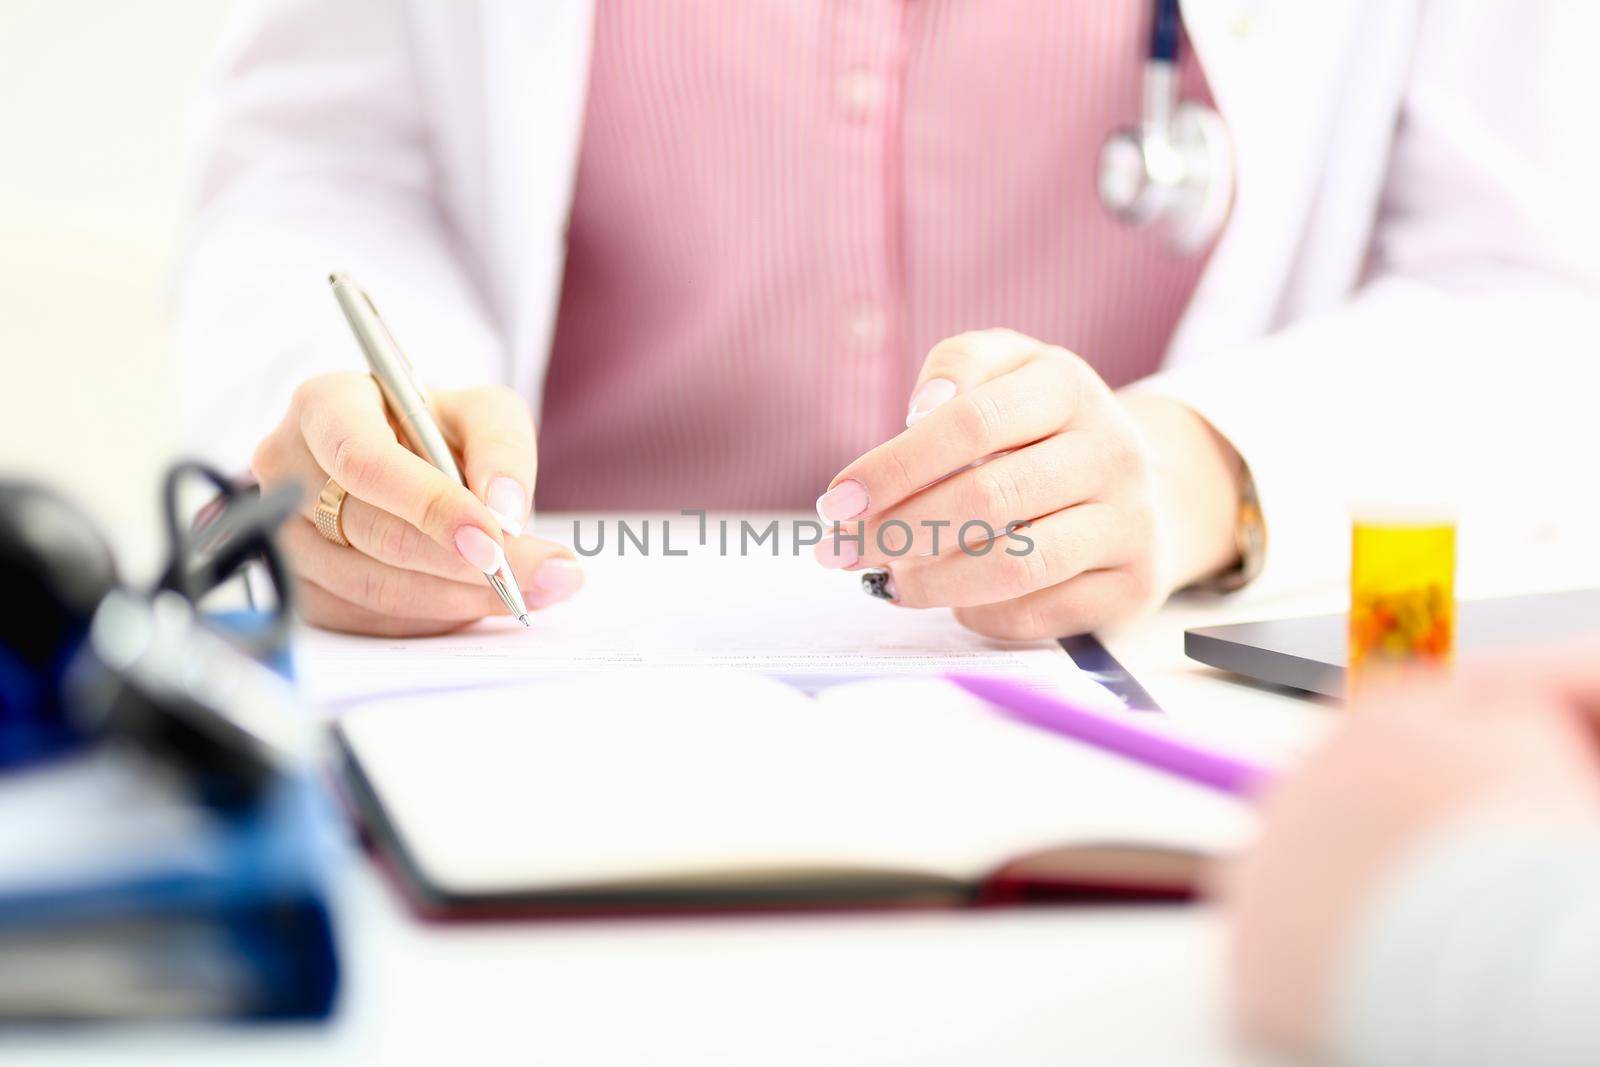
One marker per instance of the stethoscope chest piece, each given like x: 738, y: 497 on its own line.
x: 1175, y: 169
x: 1180, y: 179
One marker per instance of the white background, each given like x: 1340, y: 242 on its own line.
x: 95, y: 104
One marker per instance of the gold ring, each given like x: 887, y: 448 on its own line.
x: 330, y: 508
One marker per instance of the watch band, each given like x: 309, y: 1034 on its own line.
x: 1249, y: 539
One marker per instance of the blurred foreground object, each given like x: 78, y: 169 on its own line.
x: 122, y: 895
x: 55, y: 568
x: 1402, y: 594
x: 155, y: 675
x: 82, y: 659
x: 165, y: 847
x: 1426, y: 889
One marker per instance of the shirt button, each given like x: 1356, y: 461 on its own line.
x: 861, y: 92
x: 867, y: 326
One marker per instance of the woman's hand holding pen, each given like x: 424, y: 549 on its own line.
x: 1115, y: 500
x: 420, y: 544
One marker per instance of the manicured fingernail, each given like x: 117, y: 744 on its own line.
x: 553, y: 582
x: 844, y: 501
x: 479, y: 549
x: 879, y: 582
x: 836, y: 555
x: 931, y: 394
x: 508, y: 503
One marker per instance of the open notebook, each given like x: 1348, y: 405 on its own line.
x: 668, y: 790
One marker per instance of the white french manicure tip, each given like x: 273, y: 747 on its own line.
x: 507, y: 523
x: 499, y: 561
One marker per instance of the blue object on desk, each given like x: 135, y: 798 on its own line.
x: 163, y: 852
x: 32, y: 727
x: 231, y: 920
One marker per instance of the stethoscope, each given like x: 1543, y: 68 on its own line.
x: 1175, y: 169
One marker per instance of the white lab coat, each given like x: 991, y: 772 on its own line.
x: 1405, y: 302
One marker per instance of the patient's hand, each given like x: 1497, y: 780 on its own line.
x: 1125, y: 498
x: 1507, y: 745
x: 419, y: 543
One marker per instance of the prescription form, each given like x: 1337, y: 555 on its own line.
x: 777, y: 614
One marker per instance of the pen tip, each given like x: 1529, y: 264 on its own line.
x: 523, y: 618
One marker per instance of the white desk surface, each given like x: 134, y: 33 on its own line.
x: 1097, y: 986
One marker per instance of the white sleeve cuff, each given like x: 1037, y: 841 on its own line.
x: 1483, y: 949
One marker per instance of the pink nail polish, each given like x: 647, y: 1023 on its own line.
x: 839, y: 557
x: 928, y: 396
x: 844, y: 501
x: 555, y: 580
x: 479, y: 549
x: 509, y: 504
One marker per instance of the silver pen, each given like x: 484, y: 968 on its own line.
x: 407, y: 402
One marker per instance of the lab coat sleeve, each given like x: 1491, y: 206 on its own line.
x: 1463, y: 372
x: 314, y: 157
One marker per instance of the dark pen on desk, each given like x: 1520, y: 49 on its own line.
x: 407, y: 401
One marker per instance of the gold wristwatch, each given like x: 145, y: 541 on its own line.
x: 1249, y: 540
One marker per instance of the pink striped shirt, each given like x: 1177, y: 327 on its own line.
x: 782, y: 206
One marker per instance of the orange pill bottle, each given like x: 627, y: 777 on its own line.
x: 1402, y: 593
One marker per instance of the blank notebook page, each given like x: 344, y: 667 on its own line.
x: 638, y: 778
